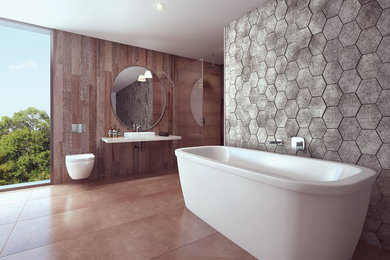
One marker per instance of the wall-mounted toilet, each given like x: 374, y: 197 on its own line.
x: 79, y: 166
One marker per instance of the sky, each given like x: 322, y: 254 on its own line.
x: 24, y: 70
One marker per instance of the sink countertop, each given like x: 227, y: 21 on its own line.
x: 112, y: 140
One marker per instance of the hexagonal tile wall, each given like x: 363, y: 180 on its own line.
x: 321, y: 70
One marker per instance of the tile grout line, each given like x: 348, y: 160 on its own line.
x: 189, y: 243
x: 17, y: 219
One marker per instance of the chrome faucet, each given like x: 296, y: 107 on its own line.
x: 277, y: 142
x: 137, y: 127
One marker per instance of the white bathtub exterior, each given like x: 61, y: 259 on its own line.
x: 277, y: 207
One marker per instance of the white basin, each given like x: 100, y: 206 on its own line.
x: 136, y: 135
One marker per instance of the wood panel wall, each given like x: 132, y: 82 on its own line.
x: 83, y: 70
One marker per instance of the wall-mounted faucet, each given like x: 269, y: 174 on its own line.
x: 277, y: 142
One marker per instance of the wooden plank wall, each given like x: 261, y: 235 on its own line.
x: 84, y: 69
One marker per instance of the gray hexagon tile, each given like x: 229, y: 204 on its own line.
x: 384, y: 102
x: 349, y: 34
x: 349, y: 152
x: 303, y: 97
x: 280, y: 100
x: 368, y: 91
x: 270, y: 24
x: 292, y: 52
x: 317, y: 22
x: 261, y: 37
x: 304, y: 38
x: 369, y: 40
x: 383, y: 129
x: 332, y: 72
x: 368, y: 142
x: 261, y: 19
x: 370, y: 161
x: 317, y: 44
x: 270, y: 42
x: 292, y: 70
x: 304, y: 79
x: 373, y: 220
x: 281, y: 46
x: 332, y: 28
x: 281, y: 10
x: 383, y: 76
x: 332, y: 156
x: 317, y: 128
x: 270, y: 58
x: 317, y: 64
x: 261, y: 86
x: 291, y: 108
x: 317, y: 148
x: 261, y: 135
x: 303, y: 58
x: 303, y: 18
x: 332, y: 139
x: 253, y: 111
x: 281, y: 118
x: 369, y: 116
x: 332, y: 117
x: 383, y: 182
x: 291, y: 127
x: 281, y: 27
x: 384, y: 22
x: 331, y: 8
x: 270, y: 109
x: 316, y: 6
x: 384, y: 3
x: 383, y: 156
x: 261, y: 119
x: 349, y: 104
x: 369, y: 65
x: 332, y: 95
x: 332, y: 50
x: 349, y: 57
x: 349, y: 10
x: 349, y: 81
x: 318, y: 86
x: 281, y: 64
x: 292, y: 32
x: 253, y: 127
x: 384, y: 211
x: 292, y: 89
x: 368, y: 15
x: 349, y: 128
x: 383, y: 50
x: 270, y: 93
x: 270, y: 76
x: 317, y: 107
x: 304, y: 117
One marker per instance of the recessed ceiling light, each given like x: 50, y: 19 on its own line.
x: 159, y: 5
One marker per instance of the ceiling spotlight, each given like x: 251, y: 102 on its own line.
x: 141, y: 78
x: 159, y: 5
x: 148, y: 74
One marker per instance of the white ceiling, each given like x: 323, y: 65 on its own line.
x: 186, y: 28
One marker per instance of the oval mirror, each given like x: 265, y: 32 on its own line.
x: 138, y: 98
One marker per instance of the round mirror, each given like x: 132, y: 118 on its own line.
x: 138, y: 98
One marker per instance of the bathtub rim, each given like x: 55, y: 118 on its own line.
x: 365, y: 176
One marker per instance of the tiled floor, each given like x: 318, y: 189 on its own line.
x: 125, y: 219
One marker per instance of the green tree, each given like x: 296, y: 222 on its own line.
x: 25, y: 147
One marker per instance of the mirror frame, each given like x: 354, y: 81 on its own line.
x: 164, y: 108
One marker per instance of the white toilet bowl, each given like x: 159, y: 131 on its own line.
x: 79, y: 166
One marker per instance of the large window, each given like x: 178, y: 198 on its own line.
x: 24, y: 103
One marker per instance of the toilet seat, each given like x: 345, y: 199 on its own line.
x: 79, y: 157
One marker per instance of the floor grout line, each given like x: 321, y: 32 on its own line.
x: 189, y: 243
x: 13, y: 227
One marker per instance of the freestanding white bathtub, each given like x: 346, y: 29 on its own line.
x: 277, y: 207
